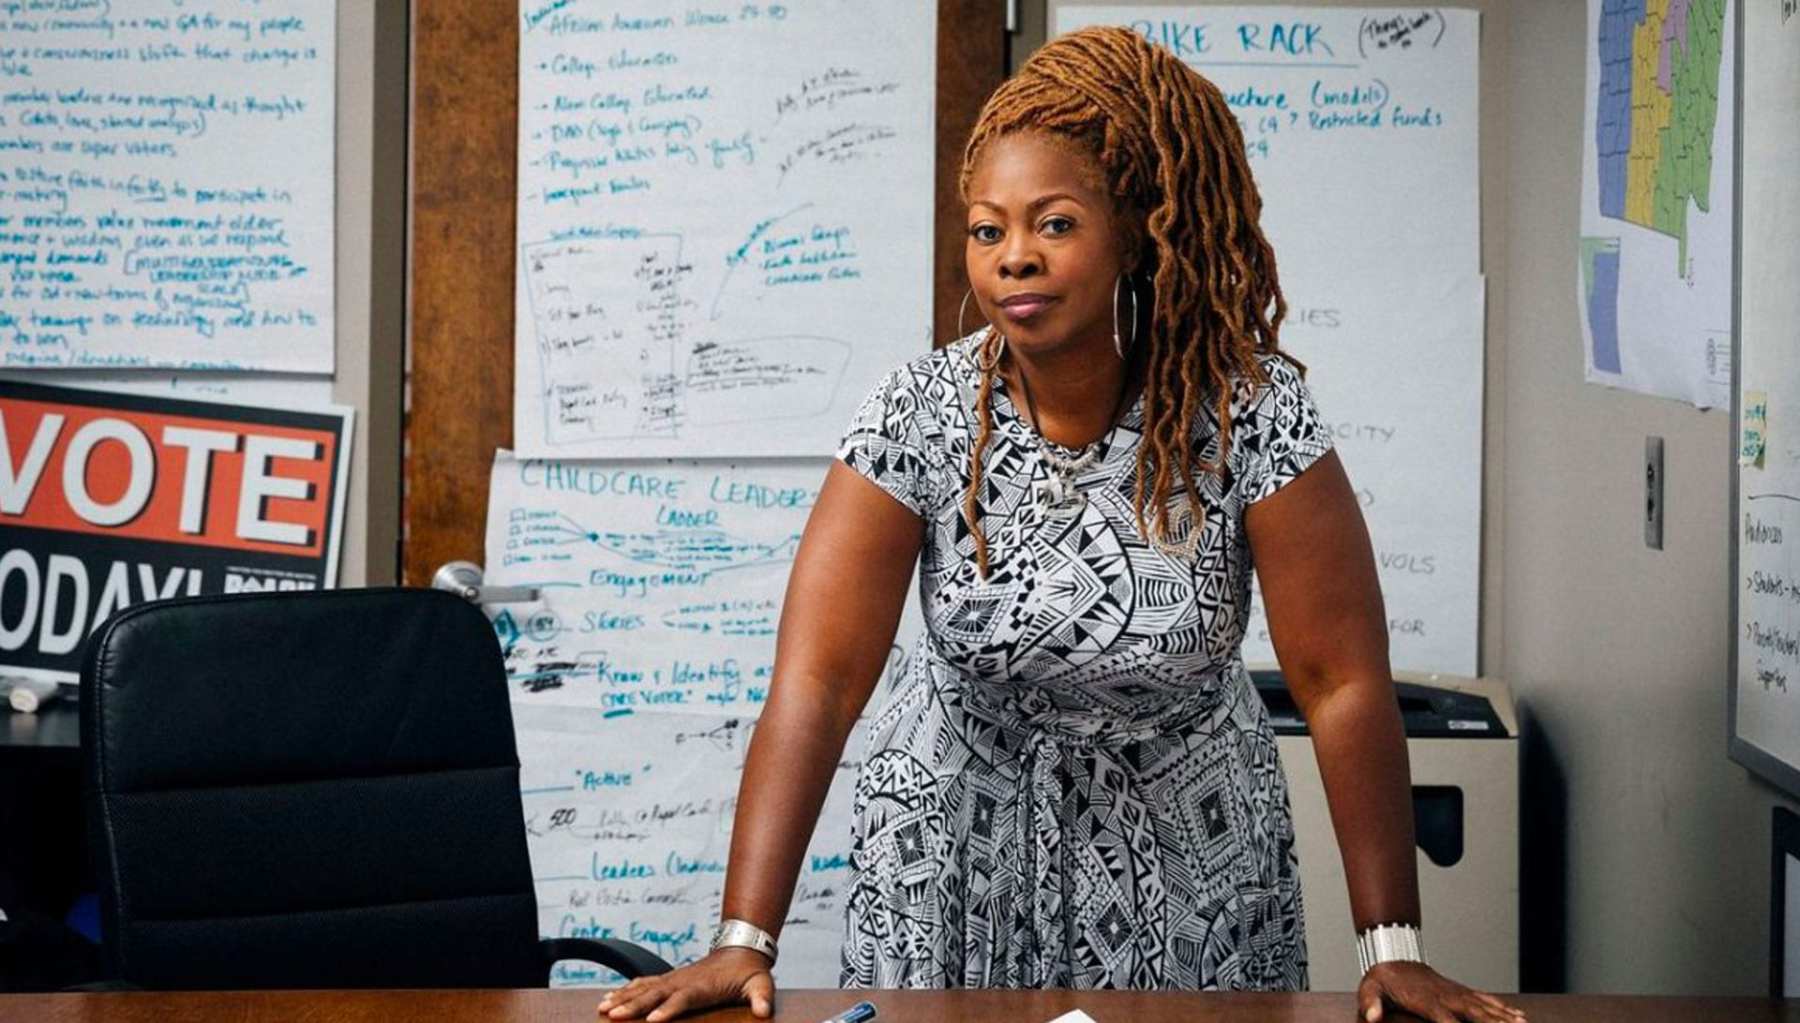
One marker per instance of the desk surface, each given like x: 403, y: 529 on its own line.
x: 56, y: 727
x: 812, y: 1006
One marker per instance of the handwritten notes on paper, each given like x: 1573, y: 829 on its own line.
x: 725, y: 218
x: 1410, y: 439
x: 629, y: 823
x: 1361, y: 123
x: 1753, y: 435
x: 1769, y: 595
x: 166, y: 190
x: 637, y: 681
x: 724, y: 238
x: 662, y: 583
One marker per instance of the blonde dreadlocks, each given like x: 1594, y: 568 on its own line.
x: 1173, y: 160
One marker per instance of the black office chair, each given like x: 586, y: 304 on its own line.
x: 308, y: 790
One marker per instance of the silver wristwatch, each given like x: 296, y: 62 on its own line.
x: 1388, y: 943
x: 743, y: 934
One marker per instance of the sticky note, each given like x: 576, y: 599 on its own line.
x: 1754, y: 431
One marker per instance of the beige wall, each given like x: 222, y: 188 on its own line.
x: 1619, y: 653
x: 1645, y: 851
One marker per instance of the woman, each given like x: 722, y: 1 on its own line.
x: 1075, y: 785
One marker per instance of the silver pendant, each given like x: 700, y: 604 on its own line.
x: 1058, y: 494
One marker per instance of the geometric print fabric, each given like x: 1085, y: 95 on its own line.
x: 1075, y: 784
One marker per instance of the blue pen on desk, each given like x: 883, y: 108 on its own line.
x: 861, y: 1012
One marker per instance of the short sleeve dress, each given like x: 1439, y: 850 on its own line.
x: 1074, y: 784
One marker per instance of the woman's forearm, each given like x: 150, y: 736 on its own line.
x: 1360, y: 743
x: 787, y: 772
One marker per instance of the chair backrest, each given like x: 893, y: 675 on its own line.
x: 307, y: 790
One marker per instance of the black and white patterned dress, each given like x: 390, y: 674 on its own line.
x: 1075, y: 784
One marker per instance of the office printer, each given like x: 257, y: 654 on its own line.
x: 1462, y: 745
x: 1428, y: 711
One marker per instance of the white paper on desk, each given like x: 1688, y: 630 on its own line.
x: 1074, y: 1016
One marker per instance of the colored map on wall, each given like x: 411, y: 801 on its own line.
x: 1658, y: 104
x: 1655, y: 245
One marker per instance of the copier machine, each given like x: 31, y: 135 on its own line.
x: 1462, y: 741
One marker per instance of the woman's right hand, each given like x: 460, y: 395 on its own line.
x: 727, y: 976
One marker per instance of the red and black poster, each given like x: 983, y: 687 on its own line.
x: 109, y: 500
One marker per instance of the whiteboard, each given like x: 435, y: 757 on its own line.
x: 166, y: 185
x: 725, y: 219
x: 1765, y: 457
x: 1392, y: 334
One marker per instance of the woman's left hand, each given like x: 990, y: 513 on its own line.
x: 1429, y: 995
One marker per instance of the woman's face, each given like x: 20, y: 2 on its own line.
x: 1044, y: 249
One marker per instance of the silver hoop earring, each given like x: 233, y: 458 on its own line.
x: 987, y: 365
x: 961, y: 311
x: 1118, y: 345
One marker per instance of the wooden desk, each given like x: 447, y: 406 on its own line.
x: 812, y: 1006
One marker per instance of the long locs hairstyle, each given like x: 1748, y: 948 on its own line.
x: 1173, y: 159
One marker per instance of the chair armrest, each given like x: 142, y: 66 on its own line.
x: 623, y: 956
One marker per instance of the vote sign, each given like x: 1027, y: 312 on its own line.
x: 108, y: 500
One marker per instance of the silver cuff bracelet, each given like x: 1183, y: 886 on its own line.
x: 1387, y: 943
x: 743, y: 934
